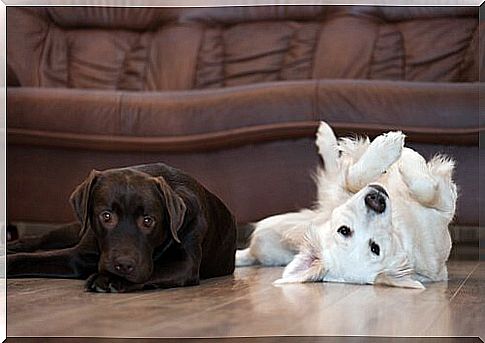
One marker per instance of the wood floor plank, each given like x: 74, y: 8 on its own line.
x: 110, y: 314
x: 464, y: 315
x: 272, y: 312
x: 248, y: 304
x: 384, y: 310
x: 41, y: 296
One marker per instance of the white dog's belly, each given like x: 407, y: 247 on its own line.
x: 424, y: 234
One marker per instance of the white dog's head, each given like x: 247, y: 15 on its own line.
x: 357, y: 245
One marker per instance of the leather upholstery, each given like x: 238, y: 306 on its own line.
x: 232, y: 95
x: 133, y: 49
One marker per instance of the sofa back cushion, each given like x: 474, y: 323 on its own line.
x: 185, y: 48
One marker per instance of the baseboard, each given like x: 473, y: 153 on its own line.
x: 466, y: 239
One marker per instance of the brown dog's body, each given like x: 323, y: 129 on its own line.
x: 146, y: 226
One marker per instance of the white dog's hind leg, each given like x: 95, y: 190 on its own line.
x: 383, y: 152
x: 269, y: 249
x: 245, y: 258
x: 276, y: 239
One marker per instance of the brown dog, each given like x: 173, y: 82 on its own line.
x: 141, y: 227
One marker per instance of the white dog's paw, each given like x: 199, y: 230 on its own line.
x: 327, y: 146
x: 244, y: 258
x: 381, y: 154
x: 412, y: 166
x: 389, y: 147
x: 419, y: 181
x: 325, y: 136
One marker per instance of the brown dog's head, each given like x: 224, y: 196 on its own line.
x: 131, y: 213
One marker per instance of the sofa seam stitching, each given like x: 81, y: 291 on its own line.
x: 467, y: 49
x: 42, y: 54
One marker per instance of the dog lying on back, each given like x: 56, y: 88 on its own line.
x: 381, y: 218
x: 147, y: 226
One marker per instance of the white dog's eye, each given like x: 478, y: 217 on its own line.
x: 344, y: 231
x: 374, y: 247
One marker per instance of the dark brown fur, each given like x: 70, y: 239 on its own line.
x: 192, y: 237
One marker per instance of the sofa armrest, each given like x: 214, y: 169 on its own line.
x: 481, y: 51
x: 12, y: 78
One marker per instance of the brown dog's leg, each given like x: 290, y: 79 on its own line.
x: 177, y: 274
x: 65, y: 236
x: 79, y: 261
x: 64, y: 263
x: 179, y: 267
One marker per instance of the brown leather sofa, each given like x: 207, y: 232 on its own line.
x: 232, y: 95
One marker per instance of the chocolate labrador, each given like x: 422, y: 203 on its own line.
x: 148, y: 226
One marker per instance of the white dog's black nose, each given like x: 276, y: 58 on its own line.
x: 376, y: 200
x: 380, y: 189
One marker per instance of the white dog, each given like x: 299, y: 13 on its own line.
x: 381, y: 218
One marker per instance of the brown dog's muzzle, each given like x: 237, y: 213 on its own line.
x: 131, y: 268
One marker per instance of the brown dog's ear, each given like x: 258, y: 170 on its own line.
x: 79, y: 200
x: 175, y: 206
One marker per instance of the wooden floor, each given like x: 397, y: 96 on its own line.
x: 247, y: 304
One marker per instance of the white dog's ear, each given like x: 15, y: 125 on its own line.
x: 304, y: 268
x: 307, y: 266
x: 398, y: 276
x: 391, y: 280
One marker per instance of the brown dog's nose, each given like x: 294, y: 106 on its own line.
x: 376, y: 201
x: 124, y: 265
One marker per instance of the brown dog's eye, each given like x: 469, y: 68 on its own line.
x: 106, y: 216
x: 108, y: 219
x: 148, y: 221
x: 344, y: 231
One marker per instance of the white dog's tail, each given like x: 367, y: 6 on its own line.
x: 245, y: 258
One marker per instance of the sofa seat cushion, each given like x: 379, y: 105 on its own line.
x: 283, y: 108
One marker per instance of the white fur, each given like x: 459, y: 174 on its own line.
x: 412, y: 233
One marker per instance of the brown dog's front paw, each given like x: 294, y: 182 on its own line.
x: 97, y: 283
x: 106, y: 283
